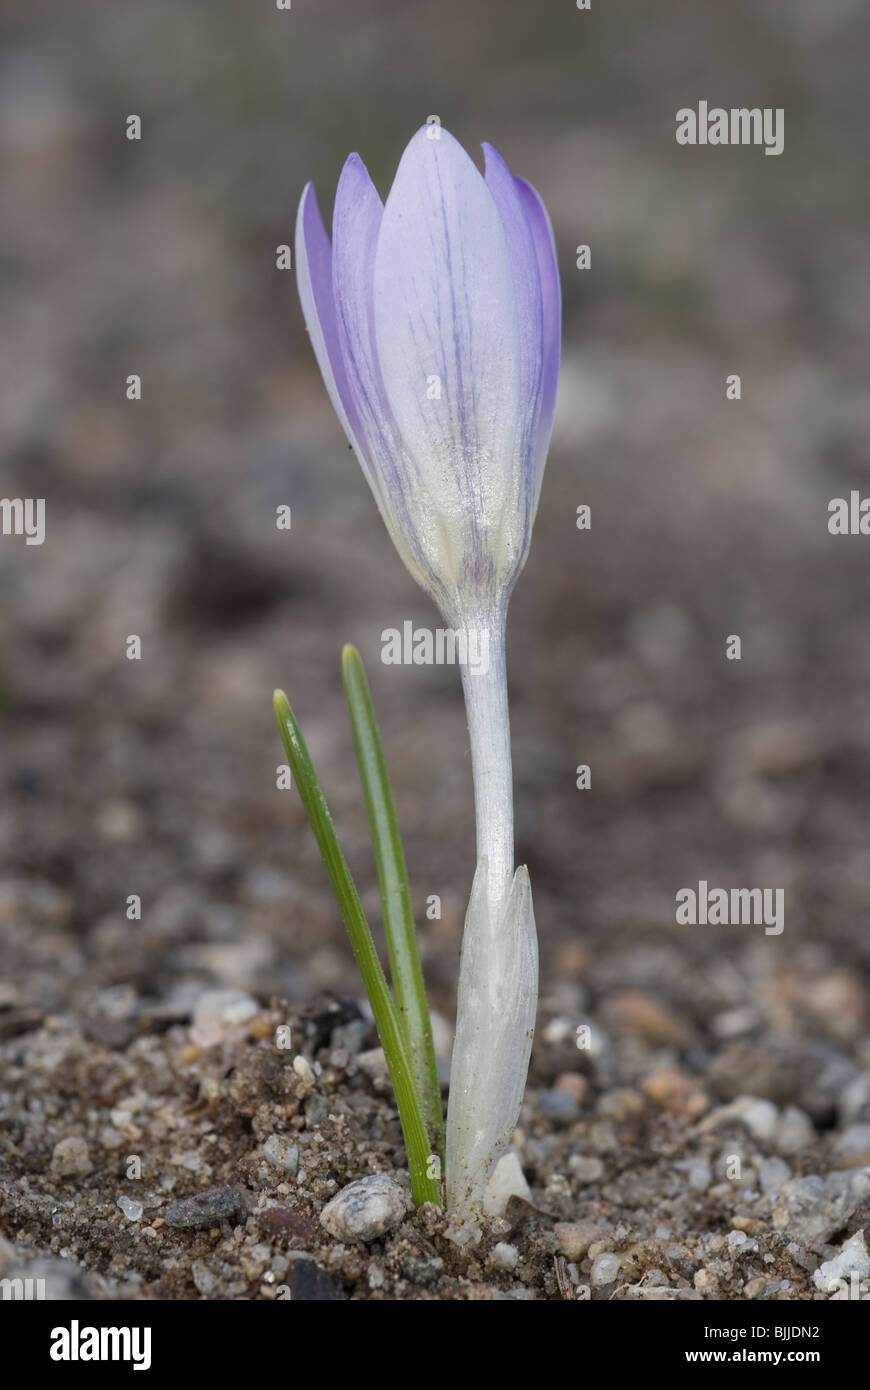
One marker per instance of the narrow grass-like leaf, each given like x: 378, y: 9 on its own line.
x: 407, y: 974
x: 425, y: 1188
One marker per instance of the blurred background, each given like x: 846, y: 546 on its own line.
x: 709, y: 518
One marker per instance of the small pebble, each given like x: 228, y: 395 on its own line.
x: 700, y: 1175
x: 620, y: 1105
x: 640, y: 1015
x: 254, y: 1260
x: 859, y: 1219
x: 316, y: 1110
x: 812, y: 1209
x: 132, y: 1210
x: 421, y: 1268
x: 205, y: 1209
x: 308, y: 1283
x: 559, y: 1030
x: 559, y: 1107
x: 219, y: 1013
x: 71, y: 1159
x: 603, y: 1138
x: 773, y: 1173
x: 303, y: 1068
x: 202, y: 1278
x: 575, y: 1084
x: 761, y: 1118
x: 705, y: 1281
x: 794, y: 1132
x: 507, y: 1180
x: 366, y: 1209
x: 605, y: 1269
x: 282, y: 1154
x: 373, y: 1064
x: 575, y: 1237
x: 853, y: 1147
x: 505, y: 1256
x: 679, y: 1094
x: 586, y: 1169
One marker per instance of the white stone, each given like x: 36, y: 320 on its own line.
x: 559, y: 1030
x: 506, y: 1180
x: 585, y: 1168
x: 374, y: 1064
x: 605, y: 1268
x: 303, y: 1068
x: 132, y: 1210
x: 761, y: 1118
x: 70, y: 1158
x: 366, y: 1209
x: 218, y: 1012
x: 794, y: 1131
x: 852, y: 1259
x: 505, y: 1256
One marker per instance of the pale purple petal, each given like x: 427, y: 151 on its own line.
x: 356, y: 221
x: 551, y: 293
x: 445, y: 309
x: 527, y: 281
x: 436, y: 325
x: 314, y: 282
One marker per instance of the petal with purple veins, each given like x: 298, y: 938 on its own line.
x: 527, y: 281
x: 445, y: 308
x: 314, y: 283
x: 551, y: 295
x: 356, y: 220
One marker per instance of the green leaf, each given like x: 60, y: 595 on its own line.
x: 424, y: 1187
x: 407, y: 975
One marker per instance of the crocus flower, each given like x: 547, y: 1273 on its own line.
x: 435, y: 319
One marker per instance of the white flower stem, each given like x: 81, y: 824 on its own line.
x: 498, y: 974
x: 486, y: 706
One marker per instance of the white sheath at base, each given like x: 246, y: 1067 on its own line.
x: 497, y: 1001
